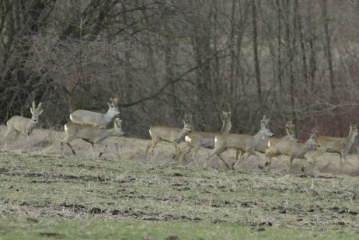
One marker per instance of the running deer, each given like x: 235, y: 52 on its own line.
x: 94, y: 118
x: 168, y: 134
x: 290, y: 135
x: 292, y: 149
x: 337, y: 145
x: 22, y: 125
x: 196, y: 140
x: 241, y: 142
x: 91, y: 134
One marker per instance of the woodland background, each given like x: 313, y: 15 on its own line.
x: 288, y: 59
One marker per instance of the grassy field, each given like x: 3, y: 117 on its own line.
x: 44, y: 194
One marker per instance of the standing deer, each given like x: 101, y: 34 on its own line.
x: 22, y: 125
x: 337, y: 145
x: 290, y: 135
x: 196, y: 140
x: 94, y: 118
x: 168, y: 134
x: 292, y: 149
x: 91, y: 134
x: 241, y: 142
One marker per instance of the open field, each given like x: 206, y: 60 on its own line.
x: 47, y: 194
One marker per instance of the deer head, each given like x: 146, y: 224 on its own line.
x: 36, y: 112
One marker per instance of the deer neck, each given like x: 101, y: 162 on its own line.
x: 258, y: 138
x: 349, y: 140
x: 109, y: 115
x: 226, y: 127
x: 290, y: 137
x: 306, y: 147
x: 30, y: 126
x: 180, y: 136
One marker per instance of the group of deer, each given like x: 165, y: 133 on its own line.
x: 86, y: 125
x: 247, y: 145
x: 92, y: 127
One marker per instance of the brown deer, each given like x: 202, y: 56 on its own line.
x: 94, y: 118
x: 241, y: 142
x: 169, y: 134
x: 22, y: 125
x: 292, y: 149
x: 290, y: 135
x: 196, y: 140
x: 90, y: 134
x: 337, y: 144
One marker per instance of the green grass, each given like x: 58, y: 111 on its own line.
x: 132, y: 229
x: 83, y: 198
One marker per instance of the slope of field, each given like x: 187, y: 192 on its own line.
x: 52, y: 194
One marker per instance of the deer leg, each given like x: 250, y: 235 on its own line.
x: 343, y: 159
x: 17, y: 135
x: 291, y: 158
x: 218, y: 152
x: 239, y: 155
x: 268, y: 161
x: 253, y: 152
x: 183, y: 152
x: 177, y: 149
x: 151, y: 145
x: 304, y: 166
x: 247, y: 154
x: 93, y: 149
x: 73, y: 151
x: 318, y: 153
x: 179, y: 152
x: 209, y: 155
x: 8, y: 131
x: 194, y: 154
x: 224, y: 162
x: 101, y: 153
x: 148, y: 147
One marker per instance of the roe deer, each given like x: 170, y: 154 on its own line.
x: 290, y: 131
x: 292, y: 149
x: 91, y: 134
x: 337, y: 144
x: 241, y: 142
x: 168, y: 134
x: 196, y: 140
x: 94, y: 118
x: 19, y: 124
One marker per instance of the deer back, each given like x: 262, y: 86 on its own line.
x: 167, y: 134
x: 94, y: 118
x: 91, y: 133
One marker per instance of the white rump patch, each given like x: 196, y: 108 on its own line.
x: 187, y: 139
x: 65, y: 127
x: 269, y: 144
x: 215, y: 139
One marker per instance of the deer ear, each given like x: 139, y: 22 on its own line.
x: 32, y: 112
